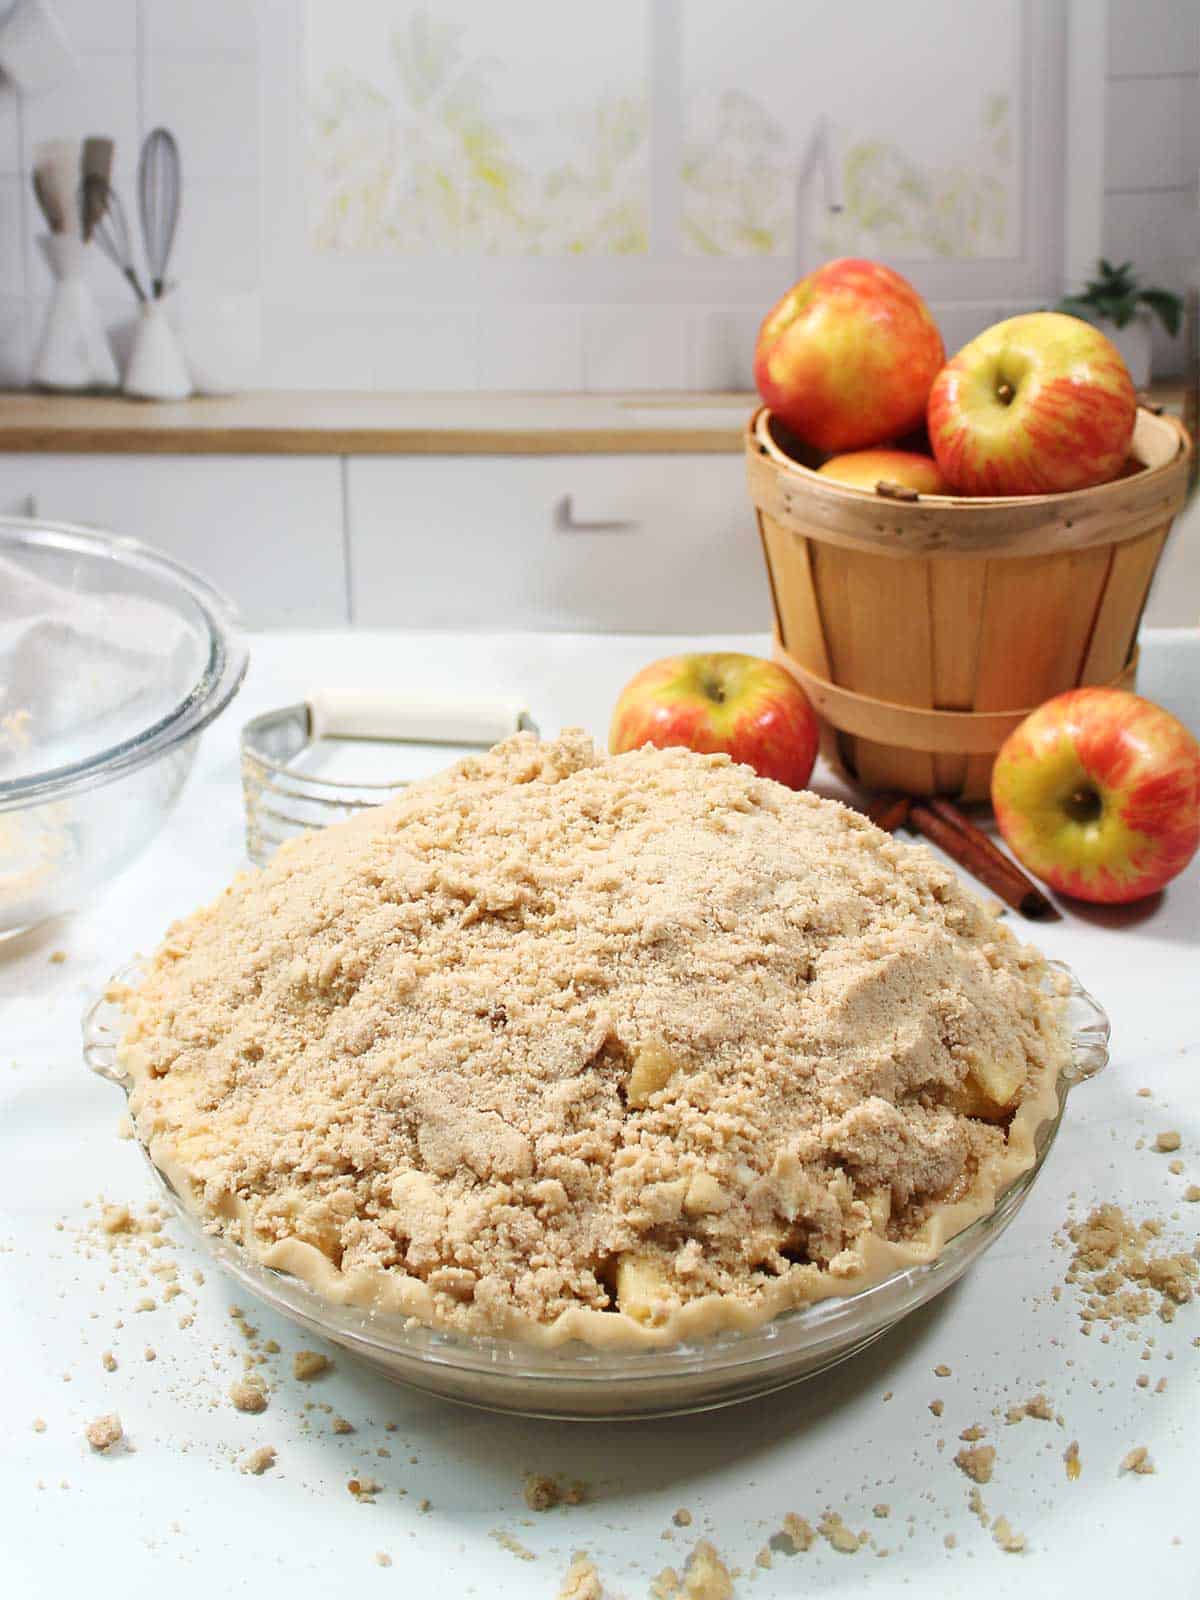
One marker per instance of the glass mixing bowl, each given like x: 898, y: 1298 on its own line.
x: 576, y: 1382
x: 113, y: 659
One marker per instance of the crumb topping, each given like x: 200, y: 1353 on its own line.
x: 561, y: 1032
x: 104, y: 1432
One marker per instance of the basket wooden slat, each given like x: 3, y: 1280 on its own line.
x: 898, y: 615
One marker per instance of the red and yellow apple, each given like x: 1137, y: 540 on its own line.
x: 863, y: 469
x: 751, y: 709
x: 846, y: 358
x: 1098, y: 793
x: 1035, y: 405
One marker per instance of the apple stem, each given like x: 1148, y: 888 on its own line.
x: 1004, y: 393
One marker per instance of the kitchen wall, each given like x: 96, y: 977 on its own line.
x: 1152, y: 146
x: 212, y: 72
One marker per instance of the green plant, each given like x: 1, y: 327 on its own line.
x: 1116, y: 295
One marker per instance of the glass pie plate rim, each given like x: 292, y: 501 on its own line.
x: 509, y: 1374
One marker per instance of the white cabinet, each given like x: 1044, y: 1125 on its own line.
x: 267, y: 530
x: 618, y: 543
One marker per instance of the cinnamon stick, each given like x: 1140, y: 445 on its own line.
x: 889, y: 811
x: 943, y: 824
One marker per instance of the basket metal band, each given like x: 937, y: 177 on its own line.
x: 966, y: 733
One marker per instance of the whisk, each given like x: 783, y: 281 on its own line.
x: 158, y: 202
x: 101, y: 202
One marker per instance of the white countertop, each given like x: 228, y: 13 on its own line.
x: 177, y: 1517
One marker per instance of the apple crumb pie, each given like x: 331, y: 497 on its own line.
x: 626, y: 1049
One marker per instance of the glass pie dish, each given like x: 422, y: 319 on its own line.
x: 577, y: 1382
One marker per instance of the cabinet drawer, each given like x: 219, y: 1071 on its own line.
x: 619, y: 543
x: 266, y: 530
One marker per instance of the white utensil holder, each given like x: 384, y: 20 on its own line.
x: 73, y: 352
x: 157, y: 370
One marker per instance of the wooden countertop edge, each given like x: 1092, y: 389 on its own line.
x: 374, y: 423
x: 332, y: 441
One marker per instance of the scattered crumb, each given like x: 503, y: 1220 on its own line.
x: 977, y: 1462
x: 103, y: 1432
x: 1137, y: 1460
x: 39, y: 1426
x: 150, y: 1353
x: 1071, y: 1457
x: 1161, y: 1386
x: 799, y: 1532
x: 706, y: 1576
x: 1175, y: 1167
x: 1007, y: 1537
x: 424, y: 1505
x: 1119, y: 1275
x: 832, y: 1528
x: 271, y: 1346
x: 146, y: 1303
x: 976, y: 1507
x: 950, y: 1541
x: 308, y: 1364
x: 1144, y: 1094
x: 257, y: 1462
x: 581, y: 1581
x: 382, y: 1559
x: 881, y: 1510
x: 1039, y: 1406
x: 508, y: 1542
x: 57, y: 957
x: 108, y: 1361
x: 248, y: 1394
x: 941, y: 1370
x: 115, y: 1219
x: 682, y: 1518
x: 1192, y: 1192
x: 365, y: 1489
x: 763, y: 1558
x: 974, y: 1432
x: 937, y: 1407
x: 341, y: 1425
x: 1168, y: 1141
x: 541, y: 1492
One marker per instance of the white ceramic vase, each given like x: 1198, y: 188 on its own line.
x: 156, y: 370
x: 73, y: 352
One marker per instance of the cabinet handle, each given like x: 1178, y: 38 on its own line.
x: 565, y: 521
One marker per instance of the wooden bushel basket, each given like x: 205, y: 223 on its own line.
x: 924, y: 631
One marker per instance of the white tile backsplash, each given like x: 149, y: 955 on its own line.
x: 12, y: 235
x: 635, y: 347
x: 218, y: 239
x: 14, y: 342
x: 434, y: 349
x: 539, y: 349
x: 102, y: 24
x: 1148, y: 133
x: 10, y: 131
x: 211, y: 104
x: 103, y: 100
x: 194, y: 66
x: 302, y: 351
x: 182, y: 27
x: 1158, y: 231
x: 1153, y: 36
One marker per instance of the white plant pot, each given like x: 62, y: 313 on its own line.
x: 1135, y: 341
